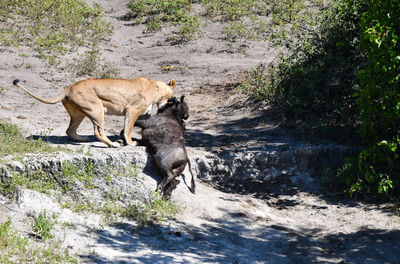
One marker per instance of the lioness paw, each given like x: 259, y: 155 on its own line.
x: 133, y: 144
x: 115, y: 145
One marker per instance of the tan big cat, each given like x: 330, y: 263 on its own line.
x: 93, y: 98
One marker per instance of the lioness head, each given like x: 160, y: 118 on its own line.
x: 165, y: 92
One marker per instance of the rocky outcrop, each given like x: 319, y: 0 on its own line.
x: 294, y: 161
x: 301, y: 164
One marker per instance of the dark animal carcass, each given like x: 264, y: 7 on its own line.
x: 162, y: 134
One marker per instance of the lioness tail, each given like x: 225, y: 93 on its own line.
x: 61, y: 96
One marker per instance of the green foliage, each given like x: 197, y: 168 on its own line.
x: 12, y: 141
x: 246, y: 19
x: 38, y: 181
x: 190, y: 28
x: 14, y: 248
x: 379, y: 100
x: 155, y: 210
x: 230, y: 10
x: 43, y: 224
x: 257, y: 84
x: 46, y: 182
x: 158, y: 12
x: 51, y: 27
x: 71, y: 172
x: 2, y: 90
x: 376, y: 169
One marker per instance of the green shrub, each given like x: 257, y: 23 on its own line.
x: 90, y: 64
x: 376, y: 169
x: 230, y: 10
x: 158, y: 12
x: 43, y: 224
x: 379, y: 98
x: 155, y: 210
x: 318, y: 80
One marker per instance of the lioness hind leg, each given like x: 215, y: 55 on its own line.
x: 76, y: 119
x: 96, y: 114
x: 101, y: 135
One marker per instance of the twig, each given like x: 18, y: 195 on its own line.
x: 8, y: 207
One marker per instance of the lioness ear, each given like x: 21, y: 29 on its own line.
x: 182, y: 97
x: 172, y: 84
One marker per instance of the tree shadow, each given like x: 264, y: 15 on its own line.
x: 237, y: 238
x: 221, y: 241
x: 366, y: 245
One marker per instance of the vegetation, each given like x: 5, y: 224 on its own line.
x: 340, y: 72
x: 12, y: 141
x: 16, y: 249
x: 158, y: 12
x: 376, y: 169
x: 247, y: 19
x: 51, y: 27
x: 155, y: 210
x: 90, y: 64
x: 75, y: 179
x: 315, y: 82
x: 42, y: 225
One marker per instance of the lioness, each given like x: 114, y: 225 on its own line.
x: 95, y: 97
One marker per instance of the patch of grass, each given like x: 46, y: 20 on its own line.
x: 72, y: 172
x: 190, y: 28
x: 155, y: 210
x: 256, y: 84
x: 43, y: 224
x: 38, y: 181
x: 16, y: 249
x: 46, y: 183
x: 12, y: 141
x: 90, y: 64
x: 2, y: 89
x: 52, y: 27
x: 230, y: 10
x: 238, y: 30
x: 156, y: 13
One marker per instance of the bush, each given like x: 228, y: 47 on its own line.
x: 376, y: 169
x: 158, y: 12
x: 90, y: 64
x: 317, y: 81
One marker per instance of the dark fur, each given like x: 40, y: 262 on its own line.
x: 162, y: 134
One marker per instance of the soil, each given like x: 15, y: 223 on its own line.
x: 254, y: 223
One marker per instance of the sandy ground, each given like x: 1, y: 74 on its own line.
x: 215, y: 226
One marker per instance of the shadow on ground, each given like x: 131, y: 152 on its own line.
x: 62, y: 140
x: 237, y: 239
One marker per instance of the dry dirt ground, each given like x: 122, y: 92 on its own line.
x: 215, y: 226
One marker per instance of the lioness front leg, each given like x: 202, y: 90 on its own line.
x: 131, y: 115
